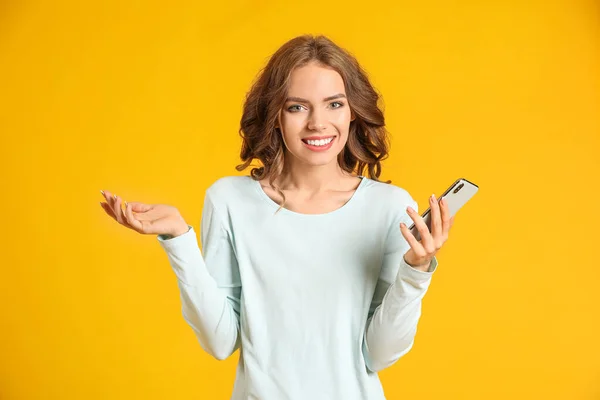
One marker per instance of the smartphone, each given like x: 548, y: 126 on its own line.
x: 456, y: 196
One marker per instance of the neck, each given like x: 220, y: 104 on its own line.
x: 310, y: 178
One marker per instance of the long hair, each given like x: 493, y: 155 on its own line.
x: 368, y: 140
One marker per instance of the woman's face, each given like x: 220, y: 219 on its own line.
x: 315, y: 118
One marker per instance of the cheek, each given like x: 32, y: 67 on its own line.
x: 342, y: 124
x: 343, y: 118
x: 292, y: 124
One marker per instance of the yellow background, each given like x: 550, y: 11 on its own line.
x: 144, y: 99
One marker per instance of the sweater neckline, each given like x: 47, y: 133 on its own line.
x: 284, y: 210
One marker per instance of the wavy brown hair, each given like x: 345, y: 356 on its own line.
x: 368, y: 140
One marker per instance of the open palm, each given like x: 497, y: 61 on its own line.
x: 150, y: 219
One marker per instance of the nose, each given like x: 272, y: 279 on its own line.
x: 316, y: 122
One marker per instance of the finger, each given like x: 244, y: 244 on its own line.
x: 119, y: 211
x: 426, y: 238
x: 131, y: 219
x: 110, y: 199
x: 446, y: 219
x: 108, y: 210
x: 108, y: 196
x: 436, y: 220
x: 412, y: 241
x: 111, y: 213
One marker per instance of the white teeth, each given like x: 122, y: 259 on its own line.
x: 321, y: 142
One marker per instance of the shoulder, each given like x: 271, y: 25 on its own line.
x: 388, y: 201
x: 228, y: 183
x: 230, y: 188
x: 388, y: 194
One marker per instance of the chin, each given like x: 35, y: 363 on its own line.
x: 320, y: 163
x: 317, y: 160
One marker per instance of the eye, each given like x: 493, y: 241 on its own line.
x: 338, y: 102
x: 292, y: 109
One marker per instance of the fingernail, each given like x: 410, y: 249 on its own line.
x: 432, y: 198
x: 409, y: 209
x: 115, y: 195
x: 102, y: 191
x: 125, y: 204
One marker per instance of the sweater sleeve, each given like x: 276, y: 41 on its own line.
x: 209, y: 282
x: 396, y: 306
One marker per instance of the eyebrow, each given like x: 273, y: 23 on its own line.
x: 301, y: 100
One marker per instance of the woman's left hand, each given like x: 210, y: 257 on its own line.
x: 421, y: 252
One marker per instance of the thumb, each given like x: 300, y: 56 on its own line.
x: 139, y: 207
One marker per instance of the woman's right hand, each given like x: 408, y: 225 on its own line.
x: 148, y: 219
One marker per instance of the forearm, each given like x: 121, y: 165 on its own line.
x: 391, y: 331
x: 206, y: 308
x: 210, y: 314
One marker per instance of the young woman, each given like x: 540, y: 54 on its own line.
x: 307, y: 265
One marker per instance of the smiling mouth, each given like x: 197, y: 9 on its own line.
x: 320, y: 145
x: 319, y: 142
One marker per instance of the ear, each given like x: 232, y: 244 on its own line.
x: 352, y: 116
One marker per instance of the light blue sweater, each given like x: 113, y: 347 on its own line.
x: 317, y: 304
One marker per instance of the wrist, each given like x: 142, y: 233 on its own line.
x: 422, y: 267
x: 180, y: 230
